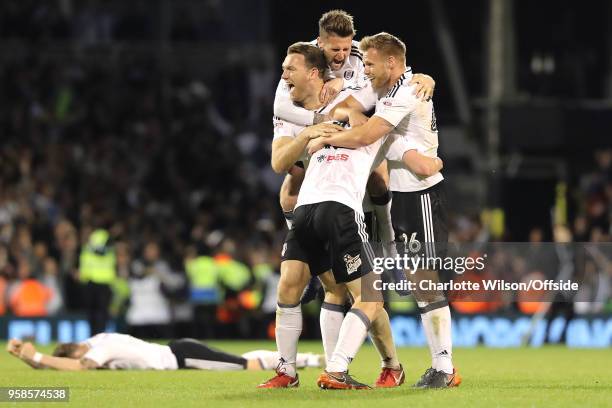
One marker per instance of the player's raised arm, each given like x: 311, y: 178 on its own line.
x: 424, y: 86
x: 285, y: 109
x: 330, y: 90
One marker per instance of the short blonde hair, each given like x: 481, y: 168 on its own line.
x: 336, y: 22
x: 386, y: 43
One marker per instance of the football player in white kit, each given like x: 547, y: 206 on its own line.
x: 333, y: 185
x: 345, y: 74
x: 123, y: 352
x: 288, y: 147
x: 419, y: 204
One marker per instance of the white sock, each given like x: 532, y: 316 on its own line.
x: 269, y: 359
x: 428, y: 333
x: 437, y: 325
x: 330, y: 320
x: 288, y: 330
x: 352, y: 334
x: 308, y: 360
x: 383, y: 218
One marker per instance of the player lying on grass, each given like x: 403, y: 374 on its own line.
x: 123, y: 352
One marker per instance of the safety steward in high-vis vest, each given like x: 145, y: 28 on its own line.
x: 98, y: 267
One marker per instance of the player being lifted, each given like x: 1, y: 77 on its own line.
x: 344, y: 61
x: 419, y: 206
x: 333, y: 238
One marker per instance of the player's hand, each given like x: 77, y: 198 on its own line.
x: 14, y: 347
x: 357, y: 118
x: 330, y: 90
x: 439, y: 163
x: 316, y: 144
x: 425, y: 86
x: 322, y: 129
x: 27, y: 351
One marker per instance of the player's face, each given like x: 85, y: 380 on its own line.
x: 296, y: 75
x: 336, y: 49
x: 376, y: 68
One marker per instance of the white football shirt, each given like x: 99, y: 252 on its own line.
x: 340, y: 174
x: 414, y: 121
x: 284, y: 128
x: 352, y: 72
x: 123, y: 352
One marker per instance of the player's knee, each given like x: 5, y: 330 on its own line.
x: 289, y: 292
x: 371, y: 309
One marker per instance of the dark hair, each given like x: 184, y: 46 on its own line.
x: 65, y: 350
x: 337, y: 22
x: 313, y: 56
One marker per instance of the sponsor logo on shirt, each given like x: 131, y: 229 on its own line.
x: 338, y: 157
x: 387, y: 103
x: 352, y: 263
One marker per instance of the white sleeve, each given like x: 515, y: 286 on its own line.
x: 366, y: 96
x: 100, y: 354
x: 282, y: 128
x: 398, y: 103
x: 362, y: 80
x: 285, y: 109
x: 397, y: 146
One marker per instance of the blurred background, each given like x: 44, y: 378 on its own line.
x: 135, y: 187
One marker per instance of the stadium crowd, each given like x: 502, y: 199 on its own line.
x: 169, y: 176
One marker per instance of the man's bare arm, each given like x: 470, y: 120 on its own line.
x: 287, y: 150
x: 421, y: 165
x: 30, y: 356
x: 342, y: 110
x: 357, y: 137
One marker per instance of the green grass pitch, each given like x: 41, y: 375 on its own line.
x: 545, y: 377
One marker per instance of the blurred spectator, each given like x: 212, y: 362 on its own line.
x: 50, y: 278
x: 148, y: 314
x: 27, y: 296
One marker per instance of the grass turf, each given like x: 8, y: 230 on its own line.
x: 545, y: 377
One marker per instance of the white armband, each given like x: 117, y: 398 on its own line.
x: 37, y: 357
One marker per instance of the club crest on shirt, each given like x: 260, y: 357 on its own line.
x: 349, y: 74
x: 352, y: 263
